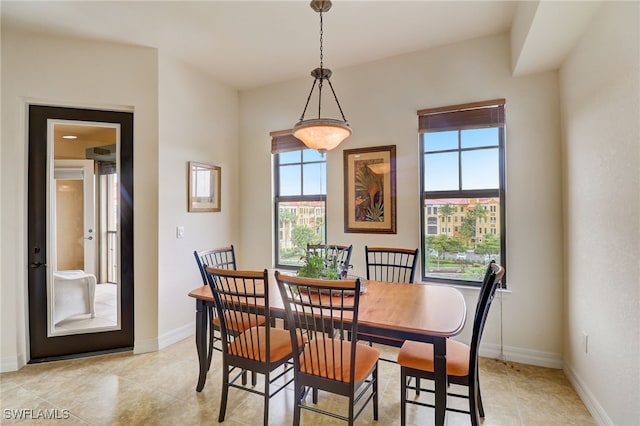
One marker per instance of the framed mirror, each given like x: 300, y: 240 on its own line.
x: 204, y: 187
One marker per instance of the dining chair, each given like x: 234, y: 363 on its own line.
x: 416, y: 358
x: 340, y: 253
x: 242, y: 302
x: 395, y: 265
x: 323, y: 359
x: 220, y: 257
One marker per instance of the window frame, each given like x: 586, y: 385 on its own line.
x: 475, y: 121
x: 277, y: 198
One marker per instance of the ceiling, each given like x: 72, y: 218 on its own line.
x: 248, y: 44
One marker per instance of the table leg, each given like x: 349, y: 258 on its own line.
x: 440, y: 368
x: 202, y: 320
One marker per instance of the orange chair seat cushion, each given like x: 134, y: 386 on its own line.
x: 331, y: 358
x: 252, y: 344
x: 419, y: 356
x: 238, y: 321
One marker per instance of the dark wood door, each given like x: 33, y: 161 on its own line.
x: 45, y: 345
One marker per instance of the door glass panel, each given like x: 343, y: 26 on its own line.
x: 83, y: 282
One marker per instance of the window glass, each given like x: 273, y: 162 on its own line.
x: 300, y: 204
x: 289, y: 157
x: 474, y: 138
x: 312, y: 155
x: 440, y: 141
x: 314, y: 178
x: 442, y: 171
x: 463, y: 195
x: 290, y: 180
x: 299, y: 223
x: 480, y: 169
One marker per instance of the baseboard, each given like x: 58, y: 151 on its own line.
x: 166, y: 339
x: 12, y: 363
x: 599, y: 414
x: 141, y: 346
x: 174, y: 336
x: 523, y: 356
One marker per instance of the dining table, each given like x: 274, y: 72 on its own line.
x: 422, y: 312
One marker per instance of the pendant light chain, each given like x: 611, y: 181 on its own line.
x: 321, y: 134
x: 321, y: 69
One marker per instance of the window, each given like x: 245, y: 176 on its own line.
x: 300, y: 192
x: 462, y: 175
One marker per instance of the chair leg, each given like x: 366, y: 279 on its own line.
x: 212, y: 339
x: 403, y: 396
x: 314, y: 395
x: 473, y: 402
x: 350, y: 410
x: 244, y: 377
x: 299, y: 393
x: 480, y: 407
x: 266, y: 396
x: 375, y: 391
x: 225, y: 392
x: 417, y: 386
x: 254, y: 378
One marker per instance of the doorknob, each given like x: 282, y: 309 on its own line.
x: 89, y: 238
x: 37, y: 264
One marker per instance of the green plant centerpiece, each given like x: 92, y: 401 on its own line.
x: 316, y: 265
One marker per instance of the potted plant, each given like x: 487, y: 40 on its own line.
x: 320, y: 267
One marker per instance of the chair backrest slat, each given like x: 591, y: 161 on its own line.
x: 220, y: 257
x: 490, y: 282
x: 396, y: 265
x: 241, y: 298
x: 324, y: 312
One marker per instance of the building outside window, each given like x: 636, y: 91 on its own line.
x: 462, y: 169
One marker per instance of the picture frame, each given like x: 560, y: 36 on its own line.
x: 204, y: 187
x: 370, y: 190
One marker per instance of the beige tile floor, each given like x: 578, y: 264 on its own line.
x: 159, y: 389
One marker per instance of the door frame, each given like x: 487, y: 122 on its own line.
x: 42, y: 347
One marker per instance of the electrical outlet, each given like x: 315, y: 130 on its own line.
x: 180, y: 232
x: 585, y: 342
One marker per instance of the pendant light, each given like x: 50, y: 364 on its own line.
x: 321, y: 133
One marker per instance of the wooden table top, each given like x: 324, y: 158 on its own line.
x: 421, y: 309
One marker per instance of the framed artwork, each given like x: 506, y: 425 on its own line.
x: 204, y: 187
x: 370, y: 190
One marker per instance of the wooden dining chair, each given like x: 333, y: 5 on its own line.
x: 416, y: 358
x: 242, y: 302
x: 324, y: 359
x: 341, y: 254
x: 395, y: 265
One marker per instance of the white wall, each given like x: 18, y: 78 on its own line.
x: 380, y: 101
x: 601, y: 161
x: 69, y: 72
x: 198, y: 122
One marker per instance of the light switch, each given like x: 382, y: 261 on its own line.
x: 180, y: 232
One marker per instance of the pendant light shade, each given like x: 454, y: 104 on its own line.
x: 321, y: 133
